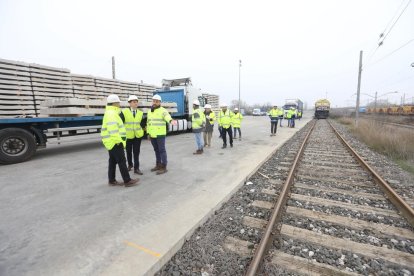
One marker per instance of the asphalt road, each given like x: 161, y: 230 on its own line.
x: 58, y: 216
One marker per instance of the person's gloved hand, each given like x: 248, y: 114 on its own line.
x: 123, y: 138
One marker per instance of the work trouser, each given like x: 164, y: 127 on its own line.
x: 235, y: 132
x: 225, y: 131
x: 292, y: 121
x: 159, y: 148
x: 273, y: 127
x: 117, y: 156
x: 199, y: 140
x: 207, y: 137
x: 280, y: 119
x: 133, y: 146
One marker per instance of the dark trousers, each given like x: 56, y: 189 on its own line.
x: 117, y: 156
x: 280, y: 119
x: 133, y: 146
x: 224, y: 136
x: 292, y: 122
x: 160, y: 152
x: 235, y: 132
x: 273, y: 127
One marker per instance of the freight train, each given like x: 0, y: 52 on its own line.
x: 322, y: 108
x: 392, y: 110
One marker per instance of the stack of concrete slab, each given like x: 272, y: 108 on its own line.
x: 24, y: 86
x: 213, y: 100
x: 49, y: 82
x: 84, y: 107
x: 16, y: 94
x: 84, y: 87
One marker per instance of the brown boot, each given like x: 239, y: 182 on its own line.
x: 162, y: 170
x: 156, y: 168
x: 197, y: 152
x: 132, y: 182
x: 115, y: 183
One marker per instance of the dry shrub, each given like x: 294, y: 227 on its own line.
x: 345, y: 120
x: 395, y: 142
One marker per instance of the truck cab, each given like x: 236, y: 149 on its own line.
x: 182, y: 92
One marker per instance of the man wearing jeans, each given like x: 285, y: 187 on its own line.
x: 158, y: 117
x: 198, y: 122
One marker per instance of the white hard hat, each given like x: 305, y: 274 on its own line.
x: 236, y: 109
x: 196, y: 102
x: 157, y: 97
x: 223, y: 105
x: 132, y: 98
x: 207, y: 106
x: 113, y: 99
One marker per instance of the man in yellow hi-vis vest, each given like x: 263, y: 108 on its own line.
x: 157, y: 119
x: 224, y: 120
x: 198, y: 122
x: 132, y: 118
x: 274, y: 117
x: 113, y: 136
x: 236, y: 123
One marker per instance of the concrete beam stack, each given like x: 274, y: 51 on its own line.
x: 24, y: 86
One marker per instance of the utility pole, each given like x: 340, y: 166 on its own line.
x: 358, y: 89
x: 113, y: 67
x: 239, y: 81
x: 375, y: 102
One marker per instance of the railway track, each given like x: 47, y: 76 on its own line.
x: 311, y: 209
x: 330, y: 214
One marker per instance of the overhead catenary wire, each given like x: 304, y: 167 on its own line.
x: 385, y: 33
x: 394, y: 51
x: 392, y: 26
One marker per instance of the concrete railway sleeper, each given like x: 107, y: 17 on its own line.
x: 305, y: 214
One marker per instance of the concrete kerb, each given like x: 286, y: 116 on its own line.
x: 174, y: 249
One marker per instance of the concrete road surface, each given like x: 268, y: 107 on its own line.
x: 58, y: 216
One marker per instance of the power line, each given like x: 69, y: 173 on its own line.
x: 382, y: 36
x: 392, y: 19
x: 392, y: 26
x: 389, y: 54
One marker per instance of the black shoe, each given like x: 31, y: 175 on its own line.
x: 137, y: 171
x: 130, y: 167
x: 224, y: 146
x: 231, y: 145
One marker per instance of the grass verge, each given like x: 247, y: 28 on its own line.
x: 394, y: 142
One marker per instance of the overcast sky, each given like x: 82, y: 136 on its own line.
x: 289, y: 49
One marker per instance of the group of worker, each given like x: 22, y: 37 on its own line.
x: 124, y: 129
x: 277, y: 114
x: 203, y: 121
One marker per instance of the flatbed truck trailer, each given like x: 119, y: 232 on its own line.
x: 21, y: 137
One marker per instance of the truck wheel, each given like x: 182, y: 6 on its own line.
x: 16, y: 145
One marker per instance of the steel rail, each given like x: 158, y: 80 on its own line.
x: 276, y: 212
x: 395, y: 199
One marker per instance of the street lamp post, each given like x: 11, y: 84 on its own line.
x: 240, y: 64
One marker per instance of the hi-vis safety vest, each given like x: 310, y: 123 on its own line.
x: 212, y: 117
x: 156, y: 122
x: 133, y: 124
x: 113, y: 131
x: 280, y: 112
x: 198, y: 119
x: 274, y: 114
x: 236, y: 120
x: 224, y: 118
